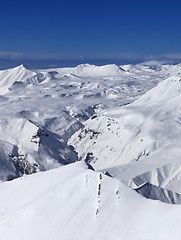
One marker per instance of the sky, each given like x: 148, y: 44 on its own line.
x: 86, y: 30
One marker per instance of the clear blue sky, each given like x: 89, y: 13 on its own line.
x: 90, y: 29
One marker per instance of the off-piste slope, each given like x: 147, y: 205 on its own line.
x: 40, y: 109
x: 73, y: 202
x: 144, y: 137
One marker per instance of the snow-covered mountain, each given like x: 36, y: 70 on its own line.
x: 140, y: 142
x: 123, y: 121
x: 41, y: 109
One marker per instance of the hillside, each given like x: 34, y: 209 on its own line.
x: 141, y: 139
x: 74, y: 202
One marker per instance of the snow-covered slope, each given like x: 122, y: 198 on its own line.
x: 15, y: 76
x: 73, y: 202
x: 144, y: 136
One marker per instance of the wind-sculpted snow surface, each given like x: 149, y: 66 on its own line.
x: 139, y: 143
x: 41, y: 109
x: 73, y: 202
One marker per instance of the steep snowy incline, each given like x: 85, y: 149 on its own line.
x: 20, y: 77
x: 81, y: 204
x: 130, y: 135
x: 12, y: 76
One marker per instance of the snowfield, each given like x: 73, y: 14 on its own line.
x: 73, y: 202
x: 121, y: 122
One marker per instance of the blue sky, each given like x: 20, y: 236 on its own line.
x: 50, y: 30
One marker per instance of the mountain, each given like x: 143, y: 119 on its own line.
x: 40, y: 109
x: 87, y: 70
x: 12, y: 76
x: 96, y: 71
x: 138, y: 143
x: 85, y: 150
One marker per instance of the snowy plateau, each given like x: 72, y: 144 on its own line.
x: 91, y: 152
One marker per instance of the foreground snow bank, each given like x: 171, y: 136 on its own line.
x: 73, y: 202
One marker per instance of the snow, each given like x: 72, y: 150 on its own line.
x: 12, y: 77
x: 144, y: 135
x: 87, y: 70
x: 65, y: 207
x: 122, y: 121
x: 42, y: 108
